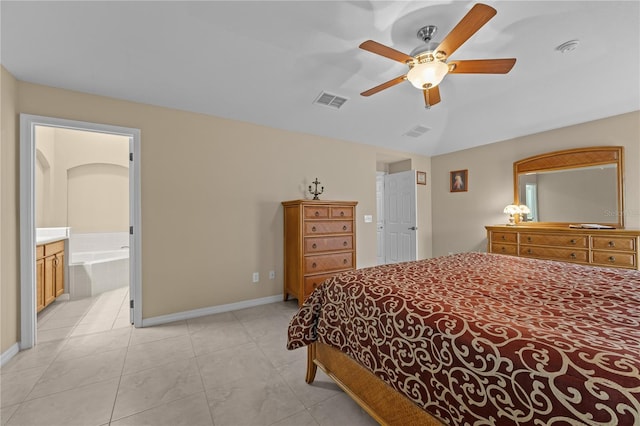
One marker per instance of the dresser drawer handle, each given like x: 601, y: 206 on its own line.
x: 345, y: 244
x: 315, y: 285
x: 344, y: 228
x: 504, y: 249
x: 573, y: 255
x: 344, y: 261
x: 317, y: 213
x: 341, y: 213
x: 529, y: 239
x: 612, y: 244
x: 573, y: 242
x: 313, y: 265
x: 313, y: 229
x: 314, y: 245
x: 503, y: 237
x: 529, y: 251
x: 612, y: 259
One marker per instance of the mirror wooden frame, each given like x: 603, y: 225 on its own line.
x: 571, y: 159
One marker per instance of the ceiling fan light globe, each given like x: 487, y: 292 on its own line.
x: 428, y: 74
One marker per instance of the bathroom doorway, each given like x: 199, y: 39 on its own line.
x: 97, y: 198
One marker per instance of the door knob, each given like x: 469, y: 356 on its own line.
x: 413, y: 228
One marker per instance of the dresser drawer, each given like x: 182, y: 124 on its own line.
x: 338, y: 212
x: 328, y: 227
x: 580, y: 241
x: 504, y: 237
x: 504, y: 248
x: 613, y: 243
x: 319, y: 212
x: 564, y: 254
x: 53, y: 248
x: 328, y: 262
x: 320, y: 244
x: 619, y: 259
x: 313, y: 281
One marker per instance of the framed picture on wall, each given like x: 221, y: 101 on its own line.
x: 459, y: 181
x: 421, y: 178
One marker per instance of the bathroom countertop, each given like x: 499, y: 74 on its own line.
x: 47, y: 240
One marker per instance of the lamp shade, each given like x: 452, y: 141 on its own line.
x: 511, y: 209
x: 524, y: 209
x: 427, y: 74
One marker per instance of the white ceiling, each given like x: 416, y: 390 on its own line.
x: 265, y: 62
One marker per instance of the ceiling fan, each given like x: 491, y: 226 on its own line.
x: 427, y: 64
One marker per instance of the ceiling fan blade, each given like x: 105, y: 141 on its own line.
x: 383, y: 86
x: 431, y: 96
x: 479, y: 15
x: 482, y: 66
x: 388, y: 52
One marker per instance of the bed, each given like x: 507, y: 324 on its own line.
x: 477, y: 338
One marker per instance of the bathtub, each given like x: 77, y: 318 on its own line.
x: 92, y: 273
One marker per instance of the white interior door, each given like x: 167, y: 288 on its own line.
x: 400, y: 227
x: 380, y: 219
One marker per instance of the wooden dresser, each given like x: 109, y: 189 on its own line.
x: 319, y: 241
x: 616, y: 248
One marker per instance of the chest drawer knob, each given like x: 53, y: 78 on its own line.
x: 313, y: 265
x: 314, y: 245
x: 529, y: 251
x: 504, y: 249
x: 344, y: 261
x: 344, y: 244
x: 612, y: 259
x: 572, y: 242
x: 529, y: 239
x: 503, y: 237
x: 612, y: 244
x: 317, y: 213
x: 341, y: 213
x: 344, y: 228
x: 573, y: 255
x: 313, y: 228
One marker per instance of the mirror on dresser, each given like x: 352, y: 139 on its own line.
x: 572, y: 186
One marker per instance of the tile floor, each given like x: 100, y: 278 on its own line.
x: 91, y: 367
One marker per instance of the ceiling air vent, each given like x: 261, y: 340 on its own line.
x: 329, y: 100
x: 417, y: 131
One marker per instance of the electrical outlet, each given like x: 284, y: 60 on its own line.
x: 256, y: 277
x: 272, y: 275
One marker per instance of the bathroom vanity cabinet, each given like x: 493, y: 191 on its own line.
x: 50, y: 261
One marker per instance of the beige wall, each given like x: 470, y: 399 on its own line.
x: 9, y: 219
x: 211, y: 193
x: 86, y: 184
x: 459, y: 219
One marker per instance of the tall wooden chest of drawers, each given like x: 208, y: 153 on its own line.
x: 319, y: 241
x: 617, y: 248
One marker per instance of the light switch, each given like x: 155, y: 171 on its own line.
x: 368, y: 218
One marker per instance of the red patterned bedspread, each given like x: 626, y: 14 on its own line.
x: 480, y: 338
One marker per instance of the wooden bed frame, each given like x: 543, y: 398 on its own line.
x: 381, y: 401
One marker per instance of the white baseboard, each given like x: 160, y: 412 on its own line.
x: 9, y: 353
x: 179, y: 316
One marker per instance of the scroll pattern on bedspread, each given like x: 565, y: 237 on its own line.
x: 480, y: 338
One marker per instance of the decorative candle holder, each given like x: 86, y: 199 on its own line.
x: 315, y: 192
